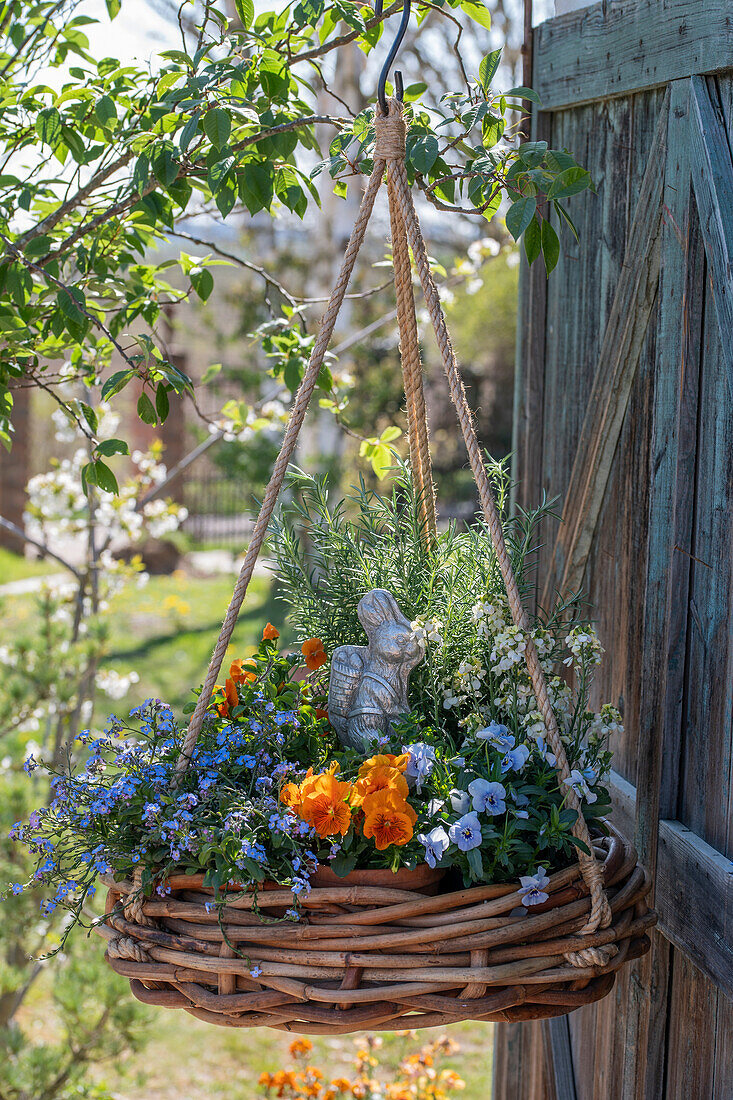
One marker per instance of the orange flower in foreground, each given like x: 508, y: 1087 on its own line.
x: 270, y: 633
x: 385, y: 760
x: 241, y: 670
x: 382, y: 778
x: 290, y: 796
x: 314, y: 653
x: 323, y: 805
x: 388, y: 819
x: 231, y: 697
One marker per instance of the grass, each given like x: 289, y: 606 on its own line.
x: 187, y: 1058
x: 14, y: 567
x: 166, y: 632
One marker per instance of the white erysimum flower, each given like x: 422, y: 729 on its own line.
x: 508, y: 649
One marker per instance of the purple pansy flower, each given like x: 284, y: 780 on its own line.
x: 466, y: 832
x: 488, y: 797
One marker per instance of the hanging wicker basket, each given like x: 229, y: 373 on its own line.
x: 365, y: 956
x: 380, y: 958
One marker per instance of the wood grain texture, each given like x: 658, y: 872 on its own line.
x: 694, y: 891
x: 712, y: 178
x: 618, y: 48
x: 623, y: 340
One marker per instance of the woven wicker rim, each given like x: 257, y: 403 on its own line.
x: 379, y: 958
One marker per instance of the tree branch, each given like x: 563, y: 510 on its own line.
x: 46, y: 552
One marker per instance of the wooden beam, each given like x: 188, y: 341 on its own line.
x: 628, y: 45
x: 712, y: 179
x: 559, y: 1070
x: 694, y: 890
x: 622, y: 343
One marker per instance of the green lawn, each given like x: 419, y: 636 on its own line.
x: 14, y: 567
x: 166, y: 632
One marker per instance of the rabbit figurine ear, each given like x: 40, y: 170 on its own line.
x: 379, y: 606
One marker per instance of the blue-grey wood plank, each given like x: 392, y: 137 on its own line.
x: 712, y: 177
x: 616, y: 48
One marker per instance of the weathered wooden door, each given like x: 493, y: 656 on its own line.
x: 624, y: 408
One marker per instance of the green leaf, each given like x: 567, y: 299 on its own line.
x: 217, y: 126
x: 165, y: 165
x: 188, y: 132
x: 146, y: 410
x: 476, y: 10
x: 487, y: 69
x: 424, y: 153
x: 105, y: 110
x: 113, y: 7
x: 524, y: 93
x: 390, y: 434
x: 48, y: 126
x: 569, y: 182
x: 141, y: 174
x: 475, y: 864
x: 109, y: 447
x: 532, y: 240
x: 162, y: 404
x: 413, y: 92
x: 245, y: 11
x: 89, y: 415
x: 492, y: 130
x: 520, y: 214
x: 211, y: 372
x: 115, y: 383
x: 98, y: 473
x: 256, y: 186
x: 203, y: 283
x: 550, y: 246
x: 343, y: 863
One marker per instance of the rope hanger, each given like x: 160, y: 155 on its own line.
x: 389, y: 158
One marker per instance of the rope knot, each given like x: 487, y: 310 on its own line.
x: 390, y: 133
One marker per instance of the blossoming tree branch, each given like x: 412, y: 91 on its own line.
x: 104, y: 160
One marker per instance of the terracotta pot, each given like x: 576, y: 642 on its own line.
x: 423, y: 879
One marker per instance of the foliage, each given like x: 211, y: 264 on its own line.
x: 227, y: 120
x: 417, y: 1077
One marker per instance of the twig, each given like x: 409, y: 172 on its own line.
x: 46, y: 552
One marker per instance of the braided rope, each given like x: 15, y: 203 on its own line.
x: 600, y: 915
x: 133, y: 907
x: 272, y: 492
x: 390, y: 134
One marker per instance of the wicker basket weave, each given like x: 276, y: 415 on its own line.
x: 379, y: 958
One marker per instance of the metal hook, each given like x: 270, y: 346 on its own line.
x: 381, y: 86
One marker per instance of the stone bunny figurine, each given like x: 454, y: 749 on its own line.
x: 368, y: 684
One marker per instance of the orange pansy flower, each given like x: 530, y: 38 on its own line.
x: 270, y: 633
x: 241, y: 670
x: 290, y: 796
x: 389, y: 819
x: 385, y: 760
x: 231, y: 697
x: 323, y: 805
x: 314, y: 653
x: 382, y: 778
